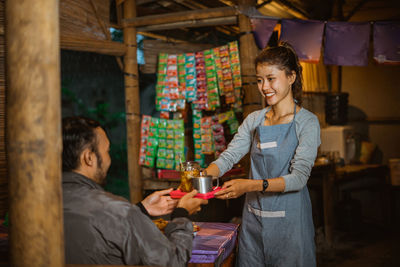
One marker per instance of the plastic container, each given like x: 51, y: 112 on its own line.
x: 394, y: 165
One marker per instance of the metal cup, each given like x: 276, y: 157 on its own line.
x: 204, y: 184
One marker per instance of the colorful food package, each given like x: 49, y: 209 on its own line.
x: 218, y: 136
x: 232, y: 122
x: 190, y: 77
x: 143, y: 138
x: 212, y: 81
x: 162, y: 142
x: 201, y: 94
x: 181, y: 76
x: 198, y: 155
x: 149, y: 141
x: 207, y: 144
x: 236, y: 75
x: 170, y: 87
x: 226, y: 74
x: 218, y: 69
x: 179, y: 143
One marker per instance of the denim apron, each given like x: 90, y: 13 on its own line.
x: 277, y: 228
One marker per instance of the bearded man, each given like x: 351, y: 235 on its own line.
x: 102, y: 228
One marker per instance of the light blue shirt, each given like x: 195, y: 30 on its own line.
x: 308, y: 135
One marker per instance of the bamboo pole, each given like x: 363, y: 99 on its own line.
x: 190, y: 24
x: 34, y: 133
x: 180, y: 16
x: 132, y: 104
x: 91, y: 45
x: 248, y: 53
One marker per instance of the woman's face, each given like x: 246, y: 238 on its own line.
x: 273, y: 83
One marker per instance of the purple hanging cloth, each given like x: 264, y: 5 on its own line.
x: 387, y: 42
x: 346, y: 43
x: 305, y: 36
x: 262, y: 30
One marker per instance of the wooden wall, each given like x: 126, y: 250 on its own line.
x: 80, y: 18
x: 3, y: 155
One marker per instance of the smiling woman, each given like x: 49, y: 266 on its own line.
x: 282, y: 140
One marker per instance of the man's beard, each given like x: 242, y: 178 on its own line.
x: 100, y: 174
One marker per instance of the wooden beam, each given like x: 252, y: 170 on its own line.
x: 161, y: 37
x: 190, y: 24
x: 142, y: 2
x: 194, y: 5
x: 292, y: 7
x: 132, y: 105
x: 90, y: 45
x: 180, y: 16
x: 352, y: 12
x: 263, y: 4
x: 34, y: 133
x: 227, y: 2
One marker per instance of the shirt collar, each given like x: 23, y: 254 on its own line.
x: 76, y: 178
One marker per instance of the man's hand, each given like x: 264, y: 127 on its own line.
x: 158, y: 204
x: 190, y: 203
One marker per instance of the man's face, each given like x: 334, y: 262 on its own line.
x: 103, y: 160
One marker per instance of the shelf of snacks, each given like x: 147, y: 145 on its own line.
x: 205, y: 85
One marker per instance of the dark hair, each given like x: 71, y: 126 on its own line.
x: 78, y: 134
x: 284, y: 56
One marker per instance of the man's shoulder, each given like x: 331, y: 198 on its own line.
x: 95, y: 200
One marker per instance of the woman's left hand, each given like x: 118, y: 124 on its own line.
x: 233, y: 189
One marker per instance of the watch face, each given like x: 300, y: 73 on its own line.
x: 265, y: 184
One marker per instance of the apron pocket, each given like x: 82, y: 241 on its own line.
x: 266, y: 214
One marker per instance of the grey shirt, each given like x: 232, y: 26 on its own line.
x: 308, y: 135
x: 101, y: 228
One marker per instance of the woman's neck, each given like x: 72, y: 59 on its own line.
x: 283, y: 108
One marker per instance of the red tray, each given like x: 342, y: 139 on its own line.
x: 178, y: 193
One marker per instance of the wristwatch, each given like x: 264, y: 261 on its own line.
x: 265, y: 184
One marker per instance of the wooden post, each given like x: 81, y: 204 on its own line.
x: 336, y: 71
x: 34, y: 133
x: 248, y: 53
x: 132, y: 104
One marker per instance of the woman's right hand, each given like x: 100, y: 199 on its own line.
x: 190, y: 203
x: 235, y: 188
x: 212, y: 170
